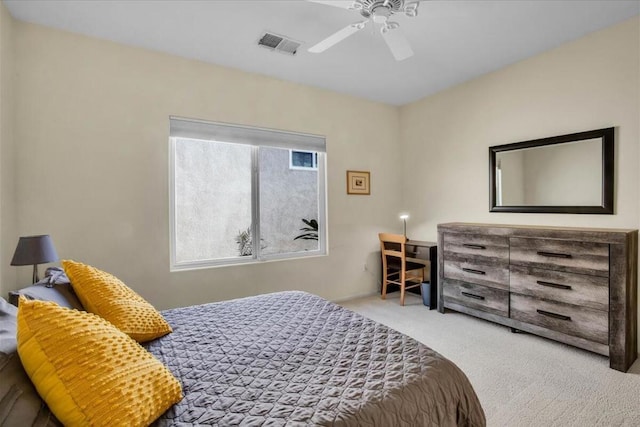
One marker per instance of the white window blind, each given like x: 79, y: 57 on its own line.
x: 238, y: 134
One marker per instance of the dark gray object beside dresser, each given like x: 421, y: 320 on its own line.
x: 574, y: 285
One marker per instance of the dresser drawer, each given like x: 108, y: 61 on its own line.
x: 561, y: 255
x: 489, y: 275
x: 480, y: 297
x: 572, y: 320
x: 577, y: 289
x: 482, y: 248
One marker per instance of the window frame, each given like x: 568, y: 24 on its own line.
x: 256, y: 256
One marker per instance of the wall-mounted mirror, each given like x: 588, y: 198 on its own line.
x: 562, y: 174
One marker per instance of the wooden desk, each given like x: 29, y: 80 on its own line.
x: 425, y: 253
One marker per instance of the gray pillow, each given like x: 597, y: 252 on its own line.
x: 8, y: 315
x: 61, y: 294
x: 20, y: 404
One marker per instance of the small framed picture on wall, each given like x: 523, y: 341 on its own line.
x: 358, y: 183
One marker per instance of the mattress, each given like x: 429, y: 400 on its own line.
x: 293, y: 358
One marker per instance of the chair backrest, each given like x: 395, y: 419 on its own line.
x: 392, y: 245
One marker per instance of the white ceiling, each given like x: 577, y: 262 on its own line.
x: 453, y: 41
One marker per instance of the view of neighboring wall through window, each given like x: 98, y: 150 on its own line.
x: 242, y: 194
x: 303, y: 159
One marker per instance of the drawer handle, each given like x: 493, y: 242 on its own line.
x: 554, y: 254
x: 471, y: 270
x: 553, y: 285
x: 467, y: 294
x: 472, y: 246
x: 554, y: 315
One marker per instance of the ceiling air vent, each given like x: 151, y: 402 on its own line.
x: 279, y: 43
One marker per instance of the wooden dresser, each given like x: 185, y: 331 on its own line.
x: 574, y: 285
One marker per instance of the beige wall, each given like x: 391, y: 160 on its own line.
x: 8, y: 235
x: 591, y: 83
x: 91, y: 123
x: 92, y: 120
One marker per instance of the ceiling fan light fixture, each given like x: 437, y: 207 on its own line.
x: 411, y: 9
x: 380, y: 14
x: 359, y: 25
x: 357, y: 5
x: 389, y: 25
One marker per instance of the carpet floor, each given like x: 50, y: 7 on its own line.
x: 521, y: 379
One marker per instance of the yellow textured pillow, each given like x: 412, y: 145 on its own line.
x: 88, y: 371
x: 105, y: 295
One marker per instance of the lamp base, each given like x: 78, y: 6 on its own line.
x: 35, y: 278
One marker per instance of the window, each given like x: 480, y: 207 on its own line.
x: 303, y: 159
x: 236, y: 198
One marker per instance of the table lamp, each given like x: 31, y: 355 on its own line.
x: 404, y: 217
x: 34, y: 250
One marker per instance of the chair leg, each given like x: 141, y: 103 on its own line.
x: 421, y: 281
x: 403, y: 281
x: 384, y: 281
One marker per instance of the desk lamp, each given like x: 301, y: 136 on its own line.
x: 404, y: 217
x: 34, y: 250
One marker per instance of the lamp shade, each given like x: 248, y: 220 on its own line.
x: 32, y: 250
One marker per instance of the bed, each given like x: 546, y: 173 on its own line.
x: 288, y: 358
x: 293, y: 358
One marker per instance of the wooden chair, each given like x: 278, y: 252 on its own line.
x: 395, y: 267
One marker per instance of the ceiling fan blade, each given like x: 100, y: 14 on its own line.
x: 344, y: 4
x: 398, y: 44
x: 337, y: 37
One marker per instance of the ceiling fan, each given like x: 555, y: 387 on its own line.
x: 378, y: 12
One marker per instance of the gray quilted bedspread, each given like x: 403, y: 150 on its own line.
x: 293, y: 358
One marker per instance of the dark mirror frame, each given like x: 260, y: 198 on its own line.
x: 606, y: 207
